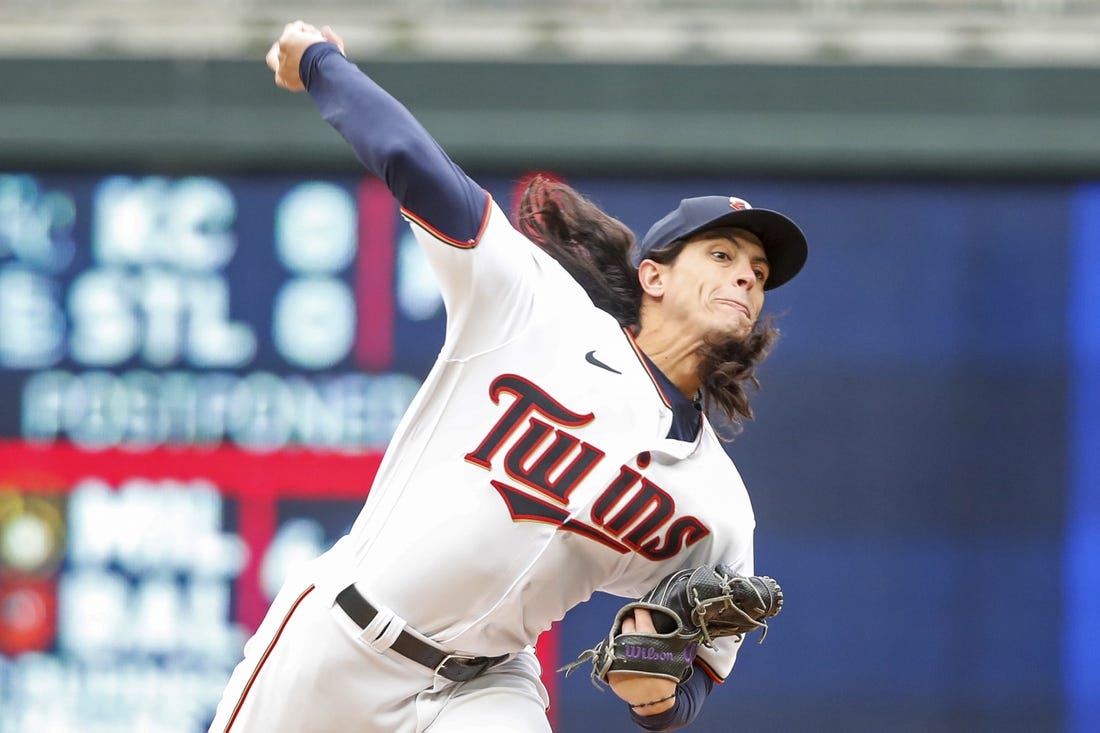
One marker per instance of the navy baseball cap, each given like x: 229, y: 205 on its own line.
x: 783, y: 241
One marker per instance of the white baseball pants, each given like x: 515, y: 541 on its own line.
x: 309, y: 668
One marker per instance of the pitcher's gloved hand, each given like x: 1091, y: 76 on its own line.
x: 689, y: 607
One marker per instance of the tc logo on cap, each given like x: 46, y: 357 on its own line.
x: 738, y: 204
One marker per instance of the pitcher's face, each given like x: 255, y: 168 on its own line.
x: 715, y: 286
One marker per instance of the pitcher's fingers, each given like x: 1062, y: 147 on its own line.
x: 331, y: 36
x: 643, y: 621
x: 272, y: 57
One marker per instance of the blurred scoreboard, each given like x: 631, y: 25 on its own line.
x: 197, y: 378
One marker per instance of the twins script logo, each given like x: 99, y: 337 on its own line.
x: 546, y: 463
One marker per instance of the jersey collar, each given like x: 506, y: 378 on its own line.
x: 687, y: 417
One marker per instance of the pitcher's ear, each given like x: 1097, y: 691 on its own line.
x: 651, y: 276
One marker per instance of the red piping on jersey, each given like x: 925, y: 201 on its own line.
x: 263, y: 659
x: 469, y: 244
x: 645, y: 363
x: 710, y: 672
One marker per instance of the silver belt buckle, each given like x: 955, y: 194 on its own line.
x: 472, y: 671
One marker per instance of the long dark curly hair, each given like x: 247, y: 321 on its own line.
x: 594, y: 248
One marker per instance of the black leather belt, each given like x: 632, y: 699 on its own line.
x: 456, y: 667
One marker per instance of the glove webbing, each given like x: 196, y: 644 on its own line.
x: 700, y: 607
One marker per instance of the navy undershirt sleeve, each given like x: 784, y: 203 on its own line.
x: 690, y: 696
x: 392, y: 145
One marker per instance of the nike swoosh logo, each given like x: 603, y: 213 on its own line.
x: 590, y: 357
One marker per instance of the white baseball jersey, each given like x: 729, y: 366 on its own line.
x: 533, y: 467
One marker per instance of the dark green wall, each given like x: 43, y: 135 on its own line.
x: 227, y: 115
